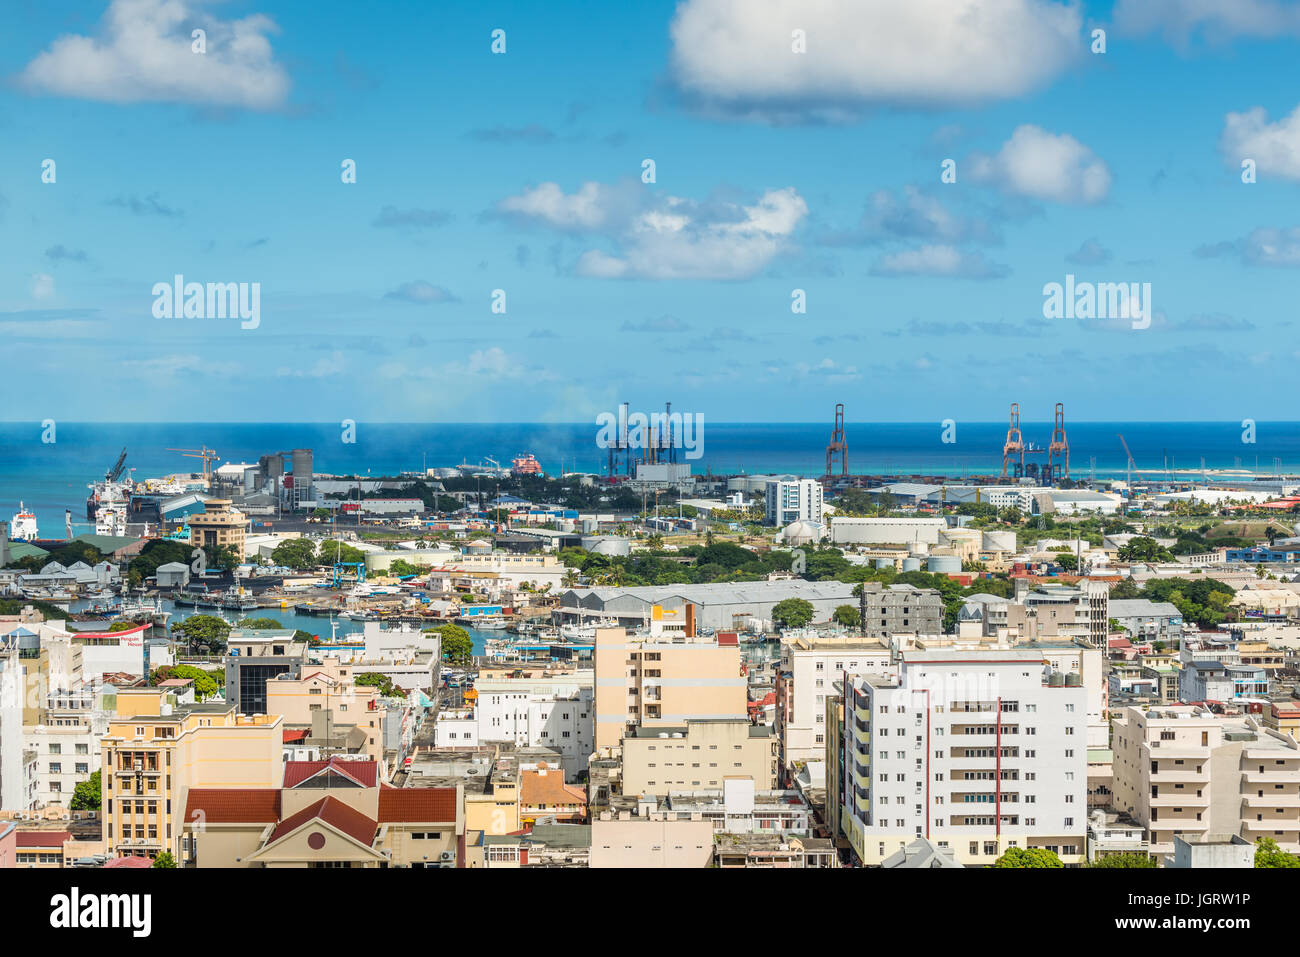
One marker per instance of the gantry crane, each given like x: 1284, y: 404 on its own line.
x: 207, y: 455
x: 1015, y: 444
x: 1058, y: 451
x: 838, y: 446
x: 1131, y: 464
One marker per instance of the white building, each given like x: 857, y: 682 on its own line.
x: 974, y: 750
x: 798, y: 500
x: 886, y: 531
x: 455, y: 729
x: 810, y: 668
x: 550, y: 709
x: 67, y: 747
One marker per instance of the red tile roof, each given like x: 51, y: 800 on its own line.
x: 129, y: 862
x: 545, y: 787
x: 292, y: 735
x: 364, y: 772
x: 333, y: 812
x: 417, y: 805
x: 42, y: 838
x: 233, y: 805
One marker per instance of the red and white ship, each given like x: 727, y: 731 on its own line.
x: 525, y: 465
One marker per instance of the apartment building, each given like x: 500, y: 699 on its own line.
x: 795, y: 501
x: 653, y: 840
x: 894, y: 609
x: 328, y: 693
x: 978, y: 751
x: 1147, y: 620
x: 153, y: 753
x: 67, y: 751
x: 1217, y: 681
x: 809, y: 668
x: 551, y: 706
x: 698, y: 755
x: 1184, y: 771
x: 663, y: 680
x: 1065, y: 611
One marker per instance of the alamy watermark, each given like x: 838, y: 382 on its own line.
x: 1101, y: 300
x: 214, y: 300
x: 656, y: 430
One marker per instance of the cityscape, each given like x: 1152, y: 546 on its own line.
x: 684, y: 435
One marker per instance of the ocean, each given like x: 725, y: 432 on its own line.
x: 51, y: 476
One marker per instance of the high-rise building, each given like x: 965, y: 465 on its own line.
x: 796, y: 501
x: 978, y: 751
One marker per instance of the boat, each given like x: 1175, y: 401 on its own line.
x: 23, y: 526
x: 525, y: 465
x: 110, y: 491
x: 489, y: 624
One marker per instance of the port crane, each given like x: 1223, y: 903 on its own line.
x: 115, y: 473
x: 1131, y: 464
x: 206, y: 454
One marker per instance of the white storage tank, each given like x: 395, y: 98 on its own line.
x: 943, y: 564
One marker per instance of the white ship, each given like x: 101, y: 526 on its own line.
x: 110, y: 491
x: 23, y: 526
x: 110, y: 519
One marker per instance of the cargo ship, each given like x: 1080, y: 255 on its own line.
x: 111, y: 491
x: 525, y: 465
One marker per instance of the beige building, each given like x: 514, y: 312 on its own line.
x: 154, y: 753
x: 698, y: 755
x: 328, y: 814
x: 327, y: 693
x: 628, y: 840
x: 218, y: 526
x: 664, y: 679
x: 1182, y: 771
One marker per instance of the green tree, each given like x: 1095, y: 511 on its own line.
x: 457, y: 645
x: 260, y: 623
x: 1124, y: 860
x: 847, y: 616
x: 199, y: 631
x: 1028, y: 857
x: 371, y: 679
x: 123, y: 626
x: 296, y: 553
x: 164, y: 859
x: 1268, y: 854
x: 86, y: 795
x: 205, y: 684
x: 792, y: 613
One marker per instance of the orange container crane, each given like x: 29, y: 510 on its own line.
x: 206, y: 454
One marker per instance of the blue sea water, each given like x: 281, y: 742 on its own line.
x: 50, y: 477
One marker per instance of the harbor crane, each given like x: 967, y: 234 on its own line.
x: 1058, y: 451
x: 207, y: 455
x: 838, y: 447
x: 1131, y: 464
x: 1015, y: 444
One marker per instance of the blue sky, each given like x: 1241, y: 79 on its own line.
x: 521, y: 171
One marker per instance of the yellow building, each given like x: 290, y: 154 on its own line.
x: 327, y: 692
x: 154, y: 752
x: 218, y: 526
x: 698, y: 755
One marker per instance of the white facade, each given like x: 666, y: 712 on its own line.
x: 455, y: 729
x: 814, y: 668
x: 886, y: 531
x: 67, y: 751
x: 973, y: 750
x: 542, y: 714
x: 799, y: 500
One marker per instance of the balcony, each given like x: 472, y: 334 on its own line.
x: 1269, y: 775
x: 1270, y: 799
x: 1180, y: 774
x: 1184, y: 798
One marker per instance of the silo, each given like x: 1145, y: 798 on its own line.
x: 999, y: 541
x: 943, y: 564
x: 884, y: 563
x: 302, y: 474
x: 911, y: 564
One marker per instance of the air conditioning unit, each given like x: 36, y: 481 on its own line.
x: 447, y: 856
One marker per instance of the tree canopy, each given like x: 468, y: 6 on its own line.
x: 1028, y: 857
x: 203, y: 630
x: 792, y: 613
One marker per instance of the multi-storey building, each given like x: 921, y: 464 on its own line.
x: 698, y: 755
x: 218, y: 526
x: 796, y: 501
x: 538, y: 707
x: 978, y: 751
x: 809, y: 669
x: 664, y: 680
x: 153, y: 753
x: 1057, y: 607
x: 327, y: 692
x: 253, y: 657
x: 1183, y: 771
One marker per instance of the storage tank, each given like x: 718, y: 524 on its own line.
x: 943, y: 564
x: 607, y: 545
x: 1073, y: 680
x: 999, y: 541
x: 1057, y: 680
x: 884, y: 563
x: 911, y: 564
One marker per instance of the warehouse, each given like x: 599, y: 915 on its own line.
x: 886, y: 531
x: 732, y: 605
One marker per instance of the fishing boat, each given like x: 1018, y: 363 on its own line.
x: 488, y: 624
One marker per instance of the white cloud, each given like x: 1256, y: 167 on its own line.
x: 1275, y: 147
x: 144, y: 53
x: 420, y: 292
x: 1045, y: 166
x: 666, y: 237
x: 42, y: 286
x: 1272, y: 247
x: 736, y: 55
x: 1217, y: 20
x: 938, y: 260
